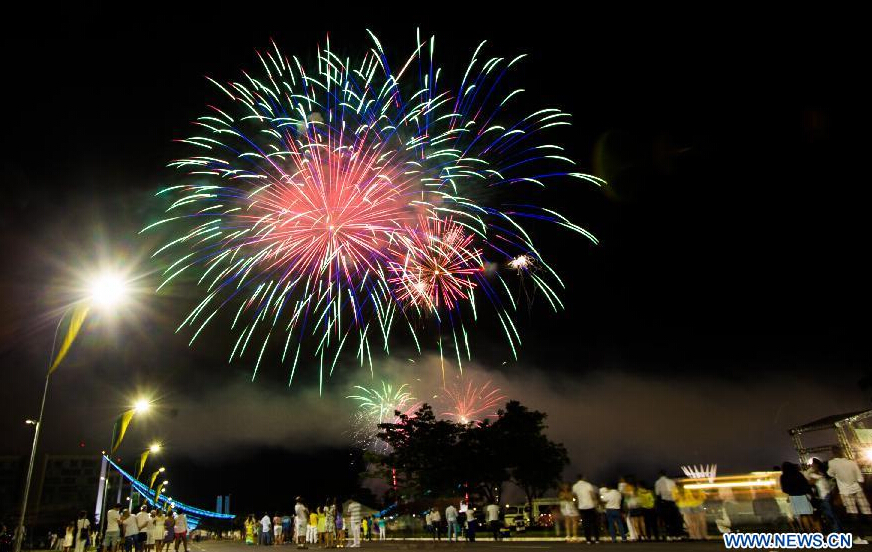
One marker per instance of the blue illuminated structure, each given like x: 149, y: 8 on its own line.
x: 194, y: 515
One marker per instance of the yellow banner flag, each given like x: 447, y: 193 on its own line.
x: 77, y: 318
x: 153, y: 477
x: 121, y: 428
x: 142, y: 458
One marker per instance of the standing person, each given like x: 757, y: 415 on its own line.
x: 611, y: 498
x: 142, y: 519
x: 131, y: 530
x: 159, y: 529
x: 848, y: 479
x: 149, y: 531
x: 322, y: 525
x: 330, y: 523
x: 112, y: 538
x: 451, y: 520
x: 587, y: 499
x: 364, y: 528
x: 180, y: 531
x: 664, y: 503
x: 635, y: 515
x: 301, y: 517
x: 796, y: 487
x: 250, y: 530
x: 382, y: 528
x: 436, y: 520
x: 824, y: 487
x: 70, y: 537
x: 353, y: 518
x: 169, y: 530
x: 265, y: 532
x: 312, y: 527
x: 471, y: 525
x: 493, y: 519
x: 287, y: 531
x: 568, y: 512
x: 83, y: 525
x: 646, y: 502
x: 340, y: 529
x: 690, y: 505
x: 277, y: 529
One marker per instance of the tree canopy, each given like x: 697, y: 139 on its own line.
x: 432, y: 458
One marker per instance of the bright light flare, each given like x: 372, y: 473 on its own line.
x: 141, y: 406
x: 155, y: 448
x: 107, y: 290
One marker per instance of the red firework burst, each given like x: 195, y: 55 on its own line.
x: 435, y: 264
x: 473, y: 404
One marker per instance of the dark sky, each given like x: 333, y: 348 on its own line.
x: 727, y: 300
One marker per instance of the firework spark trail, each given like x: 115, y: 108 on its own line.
x: 376, y: 407
x: 472, y: 404
x: 338, y: 202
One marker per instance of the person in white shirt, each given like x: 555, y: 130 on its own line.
x: 664, y: 489
x: 301, y: 520
x: 266, y: 530
x: 436, y: 520
x: 112, y: 536
x: 142, y: 519
x: 849, y: 480
x: 451, y: 520
x: 611, y: 498
x: 587, y: 499
x: 492, y: 512
x: 83, y: 525
x: 131, y: 530
x: 354, y: 517
x: 180, y: 531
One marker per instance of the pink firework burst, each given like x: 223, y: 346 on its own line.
x: 332, y: 215
x: 472, y: 404
x: 434, y: 264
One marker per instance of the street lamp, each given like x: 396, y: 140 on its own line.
x: 154, y: 477
x: 140, y: 406
x: 105, y: 291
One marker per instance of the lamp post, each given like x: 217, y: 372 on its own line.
x: 153, y: 448
x: 106, y: 291
x: 141, y: 406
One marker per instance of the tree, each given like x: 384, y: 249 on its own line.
x: 439, y: 458
x: 484, y: 461
x: 423, y: 453
x: 535, y: 463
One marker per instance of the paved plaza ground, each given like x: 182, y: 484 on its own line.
x: 512, y: 545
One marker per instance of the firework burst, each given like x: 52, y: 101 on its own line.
x: 472, y: 404
x: 436, y: 264
x: 376, y: 407
x: 335, y: 203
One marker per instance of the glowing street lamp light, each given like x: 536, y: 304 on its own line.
x: 105, y: 291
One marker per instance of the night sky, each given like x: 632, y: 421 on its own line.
x: 727, y: 301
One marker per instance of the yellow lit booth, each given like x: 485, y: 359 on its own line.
x: 746, y: 502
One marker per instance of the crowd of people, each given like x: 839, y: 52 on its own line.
x: 326, y: 525
x: 824, y: 496
x: 828, y: 496
x: 145, y: 531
